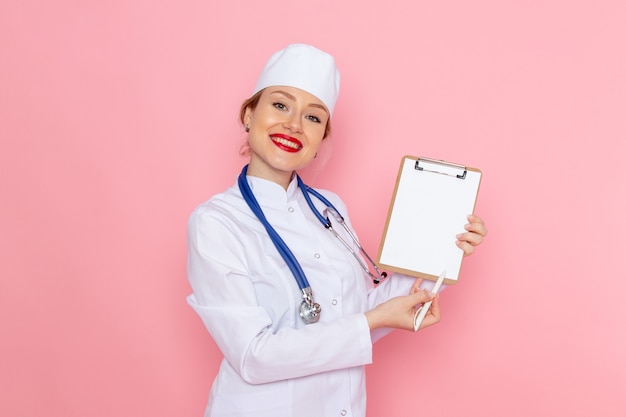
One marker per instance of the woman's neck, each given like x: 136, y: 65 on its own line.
x: 282, y: 178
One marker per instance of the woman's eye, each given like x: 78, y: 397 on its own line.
x: 280, y: 106
x: 314, y: 119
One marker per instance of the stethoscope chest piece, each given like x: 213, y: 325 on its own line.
x: 310, y: 312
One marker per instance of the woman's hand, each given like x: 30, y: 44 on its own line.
x: 399, y: 312
x: 476, y: 231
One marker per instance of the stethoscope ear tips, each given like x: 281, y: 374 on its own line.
x: 383, y: 275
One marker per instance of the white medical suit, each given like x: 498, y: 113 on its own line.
x: 274, y: 364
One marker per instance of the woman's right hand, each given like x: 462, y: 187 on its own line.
x: 399, y: 312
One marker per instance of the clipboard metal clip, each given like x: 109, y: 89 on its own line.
x: 447, y: 168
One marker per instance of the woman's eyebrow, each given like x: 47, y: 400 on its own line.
x: 318, y: 106
x: 284, y: 93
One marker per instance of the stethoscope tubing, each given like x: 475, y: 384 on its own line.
x: 278, y: 242
x: 309, y: 310
x: 328, y: 224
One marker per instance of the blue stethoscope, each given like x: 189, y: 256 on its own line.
x: 309, y: 309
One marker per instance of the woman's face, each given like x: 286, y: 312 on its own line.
x: 286, y: 129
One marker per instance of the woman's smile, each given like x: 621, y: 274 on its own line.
x: 286, y: 142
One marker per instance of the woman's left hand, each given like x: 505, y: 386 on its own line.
x: 476, y: 231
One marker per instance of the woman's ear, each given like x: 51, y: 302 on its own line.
x: 247, y: 116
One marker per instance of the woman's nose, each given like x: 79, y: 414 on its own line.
x: 294, y: 123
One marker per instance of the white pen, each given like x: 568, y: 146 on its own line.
x: 421, y: 312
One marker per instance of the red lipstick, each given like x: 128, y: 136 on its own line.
x: 286, y: 142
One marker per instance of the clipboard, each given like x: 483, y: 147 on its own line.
x: 429, y: 207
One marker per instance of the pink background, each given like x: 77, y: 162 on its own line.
x: 117, y: 118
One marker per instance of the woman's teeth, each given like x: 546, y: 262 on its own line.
x: 286, y: 143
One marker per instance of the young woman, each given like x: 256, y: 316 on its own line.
x: 292, y: 309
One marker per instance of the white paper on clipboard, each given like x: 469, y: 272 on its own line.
x: 429, y: 207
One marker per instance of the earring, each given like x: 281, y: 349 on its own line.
x: 315, y: 156
x: 247, y: 128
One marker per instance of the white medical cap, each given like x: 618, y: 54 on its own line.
x: 304, y: 67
